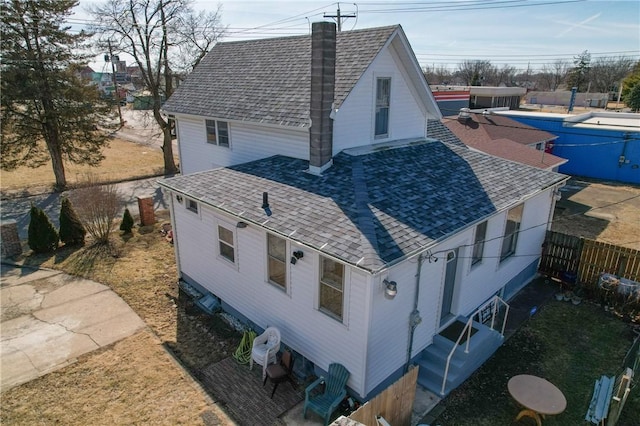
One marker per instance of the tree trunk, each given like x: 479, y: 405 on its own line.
x: 53, y: 145
x: 167, y: 150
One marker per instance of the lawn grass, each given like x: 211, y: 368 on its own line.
x: 123, y: 161
x: 133, y: 381
x: 571, y: 346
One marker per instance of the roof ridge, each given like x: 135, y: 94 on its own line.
x: 338, y: 35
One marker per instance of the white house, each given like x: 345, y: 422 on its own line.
x: 320, y: 194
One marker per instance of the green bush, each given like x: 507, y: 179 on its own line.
x: 72, y: 231
x: 43, y: 237
x: 127, y: 222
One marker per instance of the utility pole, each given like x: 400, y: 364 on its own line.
x: 115, y: 84
x: 339, y: 17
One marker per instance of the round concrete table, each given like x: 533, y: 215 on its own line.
x: 538, y: 396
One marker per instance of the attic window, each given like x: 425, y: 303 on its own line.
x: 217, y: 132
x: 383, y: 101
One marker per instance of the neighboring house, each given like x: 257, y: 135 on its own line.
x: 451, y: 99
x: 563, y: 97
x: 495, y: 97
x: 506, y: 138
x: 345, y: 214
x: 600, y: 145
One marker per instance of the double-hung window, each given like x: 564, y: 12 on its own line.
x: 217, y: 132
x: 226, y: 244
x: 192, y: 205
x: 277, y: 263
x: 511, y: 231
x: 383, y: 101
x: 478, y: 243
x: 331, y: 287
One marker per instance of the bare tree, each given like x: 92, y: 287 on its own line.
x: 504, y: 76
x: 438, y: 75
x: 553, y: 75
x: 97, y: 206
x: 607, y: 72
x: 474, y: 72
x: 163, y: 36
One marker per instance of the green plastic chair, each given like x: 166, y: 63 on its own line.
x: 327, y: 402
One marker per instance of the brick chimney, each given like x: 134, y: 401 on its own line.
x: 323, y: 78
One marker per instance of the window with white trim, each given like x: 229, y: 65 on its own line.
x: 226, y: 244
x: 383, y: 101
x: 192, y: 206
x: 277, y: 260
x: 511, y: 231
x: 217, y: 132
x: 331, y: 287
x: 478, y: 243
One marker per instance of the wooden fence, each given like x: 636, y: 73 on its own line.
x: 568, y: 258
x: 395, y: 403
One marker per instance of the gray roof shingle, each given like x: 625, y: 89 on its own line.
x: 372, y: 209
x: 269, y: 80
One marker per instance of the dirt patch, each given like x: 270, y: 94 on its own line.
x: 602, y: 211
x: 135, y: 381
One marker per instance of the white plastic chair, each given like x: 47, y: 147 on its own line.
x: 265, y: 347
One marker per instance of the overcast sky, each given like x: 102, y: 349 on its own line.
x: 515, y: 32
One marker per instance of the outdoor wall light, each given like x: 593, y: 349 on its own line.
x: 298, y: 254
x: 390, y: 289
x: 241, y: 225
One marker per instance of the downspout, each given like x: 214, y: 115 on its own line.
x: 414, y: 317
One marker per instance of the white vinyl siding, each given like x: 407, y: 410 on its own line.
x: 277, y: 261
x: 354, y: 122
x: 249, y: 142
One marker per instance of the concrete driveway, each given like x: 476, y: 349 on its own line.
x: 48, y: 319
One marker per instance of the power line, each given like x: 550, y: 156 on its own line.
x: 474, y: 6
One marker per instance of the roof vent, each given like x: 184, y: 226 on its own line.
x: 464, y: 115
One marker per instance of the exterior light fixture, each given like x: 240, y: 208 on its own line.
x: 241, y: 225
x: 390, y: 289
x: 298, y: 254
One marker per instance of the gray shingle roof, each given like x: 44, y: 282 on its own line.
x: 372, y: 209
x: 269, y: 80
x: 437, y: 130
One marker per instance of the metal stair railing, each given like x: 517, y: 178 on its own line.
x: 493, y: 305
